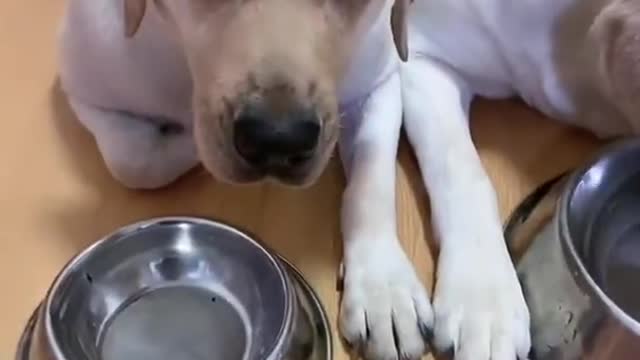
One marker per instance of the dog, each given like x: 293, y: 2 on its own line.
x: 264, y: 89
x: 261, y: 90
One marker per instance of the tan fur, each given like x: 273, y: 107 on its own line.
x: 283, y: 53
x: 133, y: 13
x: 616, y: 31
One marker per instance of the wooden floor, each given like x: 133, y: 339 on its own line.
x: 56, y: 196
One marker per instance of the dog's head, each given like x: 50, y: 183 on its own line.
x: 266, y: 76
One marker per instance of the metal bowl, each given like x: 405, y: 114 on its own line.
x: 178, y: 288
x: 581, y: 274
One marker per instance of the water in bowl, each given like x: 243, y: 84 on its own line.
x: 622, y: 277
x: 177, y: 323
x: 615, y: 247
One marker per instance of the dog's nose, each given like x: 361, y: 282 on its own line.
x: 268, y: 142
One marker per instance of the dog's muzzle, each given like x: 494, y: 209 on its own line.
x: 276, y: 142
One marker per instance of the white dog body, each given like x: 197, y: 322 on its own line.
x: 550, y: 55
x: 458, y: 49
x: 483, y: 41
x: 542, y: 54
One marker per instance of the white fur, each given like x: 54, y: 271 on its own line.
x: 109, y: 78
x: 381, y: 287
x: 382, y: 290
x: 458, y: 49
x: 496, y: 49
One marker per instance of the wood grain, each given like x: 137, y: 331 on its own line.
x: 56, y: 196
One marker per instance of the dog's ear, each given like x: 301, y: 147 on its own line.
x: 399, y: 27
x: 133, y: 13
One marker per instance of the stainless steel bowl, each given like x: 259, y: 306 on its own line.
x: 581, y: 273
x: 178, y: 288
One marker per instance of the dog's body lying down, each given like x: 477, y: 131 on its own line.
x: 227, y: 83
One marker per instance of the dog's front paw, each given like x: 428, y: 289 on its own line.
x: 480, y: 312
x: 385, y: 312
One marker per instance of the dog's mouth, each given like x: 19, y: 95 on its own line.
x: 238, y: 172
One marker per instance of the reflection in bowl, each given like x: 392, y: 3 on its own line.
x: 581, y: 274
x: 178, y: 288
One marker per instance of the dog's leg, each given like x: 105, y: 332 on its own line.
x: 140, y: 153
x: 479, y: 307
x: 382, y: 293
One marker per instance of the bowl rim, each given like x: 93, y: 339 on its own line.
x: 133, y: 227
x: 563, y: 230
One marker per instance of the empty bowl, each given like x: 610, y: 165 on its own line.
x: 581, y: 273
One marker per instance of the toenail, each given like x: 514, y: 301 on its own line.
x: 448, y: 354
x: 426, y: 331
x: 167, y: 129
x: 532, y: 355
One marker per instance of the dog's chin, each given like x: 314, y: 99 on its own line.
x: 232, y: 176
x: 297, y: 179
x: 237, y: 173
x: 226, y: 166
x: 305, y: 176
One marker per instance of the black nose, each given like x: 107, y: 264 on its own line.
x: 268, y: 141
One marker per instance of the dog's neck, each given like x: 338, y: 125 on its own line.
x: 374, y: 58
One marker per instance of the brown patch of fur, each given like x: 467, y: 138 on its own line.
x: 616, y: 31
x: 133, y: 13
